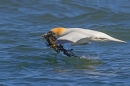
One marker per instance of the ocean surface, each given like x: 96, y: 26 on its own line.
x: 25, y: 60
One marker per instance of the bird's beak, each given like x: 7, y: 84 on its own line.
x: 44, y: 34
x: 42, y: 37
x: 48, y: 33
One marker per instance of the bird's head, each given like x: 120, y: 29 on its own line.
x: 59, y: 31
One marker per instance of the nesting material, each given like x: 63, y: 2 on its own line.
x: 50, y: 39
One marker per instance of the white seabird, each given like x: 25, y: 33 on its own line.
x: 80, y: 36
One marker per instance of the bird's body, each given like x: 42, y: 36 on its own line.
x: 79, y: 36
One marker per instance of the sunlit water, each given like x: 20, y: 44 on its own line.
x: 25, y: 60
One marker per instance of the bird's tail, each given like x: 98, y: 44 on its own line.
x: 117, y: 40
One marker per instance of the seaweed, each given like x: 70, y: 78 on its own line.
x: 50, y: 39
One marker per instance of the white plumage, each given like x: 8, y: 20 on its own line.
x: 79, y: 36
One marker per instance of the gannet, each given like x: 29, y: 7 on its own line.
x: 80, y: 36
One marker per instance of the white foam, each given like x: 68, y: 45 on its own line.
x: 90, y: 56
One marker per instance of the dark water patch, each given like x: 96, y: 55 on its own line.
x: 3, y: 33
x: 82, y: 63
x: 25, y: 48
x: 8, y: 41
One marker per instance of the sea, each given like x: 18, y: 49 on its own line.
x: 26, y: 60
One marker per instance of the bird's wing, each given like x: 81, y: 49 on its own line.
x: 72, y: 37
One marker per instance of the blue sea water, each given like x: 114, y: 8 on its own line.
x: 25, y: 60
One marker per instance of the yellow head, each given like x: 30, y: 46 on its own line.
x: 58, y: 31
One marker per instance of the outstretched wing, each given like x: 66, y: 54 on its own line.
x: 72, y: 37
